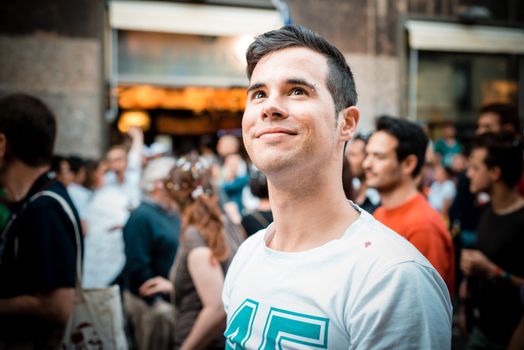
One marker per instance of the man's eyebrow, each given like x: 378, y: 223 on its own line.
x: 255, y: 86
x: 299, y: 81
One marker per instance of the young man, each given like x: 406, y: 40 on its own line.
x: 125, y: 167
x: 323, y: 275
x: 151, y: 237
x: 366, y: 198
x: 38, y: 248
x: 493, y: 269
x: 497, y: 117
x: 396, y: 153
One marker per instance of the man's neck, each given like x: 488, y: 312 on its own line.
x: 308, y: 219
x: 399, y: 195
x: 19, y: 178
x: 505, y: 200
x: 120, y: 177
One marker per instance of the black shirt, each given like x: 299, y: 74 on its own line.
x: 256, y: 221
x: 40, y: 248
x: 501, y: 239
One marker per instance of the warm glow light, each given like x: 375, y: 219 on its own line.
x: 134, y: 118
x: 240, y: 48
x: 192, y: 98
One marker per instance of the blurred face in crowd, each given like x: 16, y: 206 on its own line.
x: 80, y: 176
x: 382, y: 168
x: 99, y: 175
x: 459, y: 163
x: 65, y: 175
x: 440, y: 173
x: 227, y: 145
x: 481, y: 177
x: 117, y: 160
x: 449, y: 132
x: 290, y: 118
x: 488, y: 122
x: 356, y: 154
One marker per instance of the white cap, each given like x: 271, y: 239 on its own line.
x: 156, y: 169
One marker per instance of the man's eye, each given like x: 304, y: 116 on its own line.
x: 297, y: 91
x: 258, y: 94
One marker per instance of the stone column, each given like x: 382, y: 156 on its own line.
x: 54, y: 50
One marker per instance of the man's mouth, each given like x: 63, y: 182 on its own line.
x: 274, y: 133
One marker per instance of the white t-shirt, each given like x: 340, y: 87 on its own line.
x: 440, y: 192
x: 104, y: 251
x: 80, y: 197
x: 370, y: 289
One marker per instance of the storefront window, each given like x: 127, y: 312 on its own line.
x: 453, y: 86
x: 181, y: 59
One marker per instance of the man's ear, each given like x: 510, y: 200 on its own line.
x: 348, y: 122
x: 495, y: 174
x: 409, y: 164
x: 3, y: 145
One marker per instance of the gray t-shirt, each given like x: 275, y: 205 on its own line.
x: 187, y: 301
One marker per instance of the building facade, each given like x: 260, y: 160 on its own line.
x: 92, y: 61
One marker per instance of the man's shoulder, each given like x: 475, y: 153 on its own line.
x: 415, y: 212
x: 385, y: 246
x: 145, y: 210
x: 42, y: 201
x: 253, y: 242
x: 46, y: 213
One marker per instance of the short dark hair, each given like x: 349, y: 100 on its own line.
x: 29, y: 127
x: 340, y: 80
x: 258, y: 184
x: 508, y: 114
x: 411, y: 139
x: 504, y: 150
x: 76, y: 163
x: 56, y: 163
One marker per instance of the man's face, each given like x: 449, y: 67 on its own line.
x: 65, y: 175
x: 488, y: 122
x: 290, y: 118
x: 382, y: 168
x: 449, y: 132
x: 227, y: 145
x: 117, y: 160
x: 481, y: 177
x: 356, y: 155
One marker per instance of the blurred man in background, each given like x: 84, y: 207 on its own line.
x: 395, y: 156
x: 38, y: 248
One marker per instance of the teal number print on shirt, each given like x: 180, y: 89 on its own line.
x: 292, y: 327
x: 239, y: 330
x: 282, y: 327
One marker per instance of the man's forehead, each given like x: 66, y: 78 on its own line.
x: 381, y: 140
x: 116, y: 152
x: 479, y: 152
x: 357, y: 145
x: 489, y: 117
x: 300, y: 60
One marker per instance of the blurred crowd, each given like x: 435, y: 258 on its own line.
x: 165, y: 228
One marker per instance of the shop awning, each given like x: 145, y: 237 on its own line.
x: 191, y: 18
x: 441, y: 36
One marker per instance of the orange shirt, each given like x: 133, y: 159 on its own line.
x: 423, y: 226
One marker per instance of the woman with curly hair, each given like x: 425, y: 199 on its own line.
x: 208, y: 243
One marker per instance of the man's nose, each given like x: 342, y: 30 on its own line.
x: 274, y: 109
x: 366, y: 163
